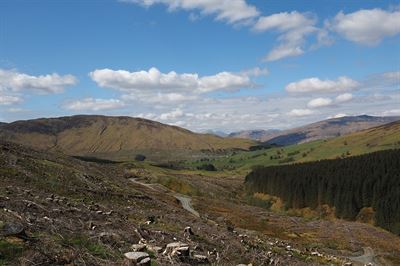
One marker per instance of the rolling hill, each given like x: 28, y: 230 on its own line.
x: 379, y: 138
x: 112, y: 137
x: 320, y: 130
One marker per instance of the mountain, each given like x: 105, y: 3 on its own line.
x: 329, y: 128
x: 258, y: 135
x: 370, y: 140
x: 112, y: 137
x: 216, y: 133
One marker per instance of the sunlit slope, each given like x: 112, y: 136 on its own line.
x: 374, y: 139
x: 101, y: 134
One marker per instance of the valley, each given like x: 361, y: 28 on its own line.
x: 91, y: 211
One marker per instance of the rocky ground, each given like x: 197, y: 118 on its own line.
x: 57, y: 210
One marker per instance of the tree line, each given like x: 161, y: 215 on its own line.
x: 350, y: 184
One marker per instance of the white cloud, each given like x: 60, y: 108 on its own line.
x: 367, y: 26
x: 393, y: 76
x: 300, y: 112
x: 293, y: 28
x: 177, y: 113
x: 159, y: 98
x: 255, y: 72
x: 393, y: 112
x: 153, y: 79
x: 319, y: 102
x: 51, y: 83
x: 345, y: 97
x: 338, y: 115
x: 316, y: 85
x: 9, y: 99
x: 91, y: 104
x: 232, y: 11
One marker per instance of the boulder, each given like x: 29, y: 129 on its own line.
x: 137, y: 258
x: 14, y: 229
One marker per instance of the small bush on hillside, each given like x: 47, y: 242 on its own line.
x: 140, y: 158
x: 207, y: 167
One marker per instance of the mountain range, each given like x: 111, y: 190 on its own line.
x: 320, y: 130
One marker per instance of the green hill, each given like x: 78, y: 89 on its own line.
x: 374, y: 139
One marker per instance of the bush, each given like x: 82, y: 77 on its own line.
x: 207, y: 167
x: 140, y: 158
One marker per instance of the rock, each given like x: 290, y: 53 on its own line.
x: 154, y: 249
x: 138, y: 258
x: 138, y: 247
x: 181, y: 252
x: 145, y: 262
x: 14, y: 229
x: 177, y: 248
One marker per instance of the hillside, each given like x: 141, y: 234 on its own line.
x: 320, y: 130
x: 115, y: 136
x: 365, y: 185
x: 73, y: 212
x: 259, y: 135
x: 366, y: 141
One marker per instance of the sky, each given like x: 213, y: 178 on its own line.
x: 222, y: 65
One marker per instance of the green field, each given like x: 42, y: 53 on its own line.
x: 375, y: 139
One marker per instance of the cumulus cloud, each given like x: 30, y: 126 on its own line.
x: 159, y: 98
x: 232, y: 11
x: 91, y: 104
x: 9, y: 99
x: 177, y: 113
x: 367, y: 26
x: 319, y: 102
x: 50, y: 83
x: 393, y: 112
x: 154, y: 80
x: 345, y: 97
x: 338, y: 115
x: 300, y: 112
x: 310, y: 85
x: 293, y: 28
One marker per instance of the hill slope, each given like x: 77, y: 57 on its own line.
x: 320, y: 130
x: 82, y: 135
x: 259, y: 135
x: 379, y: 138
x: 350, y: 185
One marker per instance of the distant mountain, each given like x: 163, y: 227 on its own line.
x: 330, y: 128
x: 217, y: 133
x: 90, y: 134
x: 259, y: 135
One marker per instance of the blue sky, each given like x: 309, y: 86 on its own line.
x: 222, y: 65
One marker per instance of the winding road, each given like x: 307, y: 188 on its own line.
x: 186, y: 204
x: 367, y: 258
x: 185, y: 201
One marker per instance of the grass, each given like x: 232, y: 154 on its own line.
x: 9, y: 252
x: 362, y: 142
x: 83, y: 243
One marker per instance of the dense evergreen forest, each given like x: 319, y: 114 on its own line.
x: 371, y: 180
